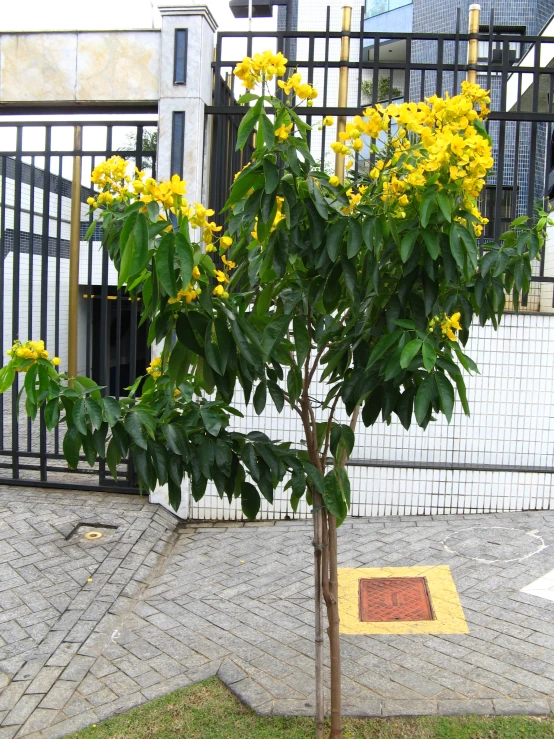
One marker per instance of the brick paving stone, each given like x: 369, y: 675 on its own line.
x: 140, y: 630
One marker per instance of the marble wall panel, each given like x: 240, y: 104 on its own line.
x: 37, y: 67
x: 118, y: 66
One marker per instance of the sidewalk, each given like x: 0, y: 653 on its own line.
x: 168, y: 605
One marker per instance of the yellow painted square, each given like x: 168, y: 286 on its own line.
x: 447, y: 609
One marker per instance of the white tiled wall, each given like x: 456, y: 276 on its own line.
x: 511, y: 424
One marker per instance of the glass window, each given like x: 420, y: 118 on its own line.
x: 376, y: 7
x: 493, y: 50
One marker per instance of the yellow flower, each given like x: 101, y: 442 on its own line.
x: 220, y: 292
x: 225, y: 241
x: 210, y: 248
x: 334, y: 181
x: 327, y: 121
x: 196, y: 273
x: 227, y: 262
x: 282, y: 132
x: 221, y: 276
x: 91, y: 202
x: 455, y: 321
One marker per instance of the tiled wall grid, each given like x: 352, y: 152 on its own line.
x: 511, y: 425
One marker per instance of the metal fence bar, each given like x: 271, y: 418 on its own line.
x: 34, y: 216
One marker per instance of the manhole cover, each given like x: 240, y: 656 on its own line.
x: 394, y: 599
x: 91, y: 531
x: 494, y: 543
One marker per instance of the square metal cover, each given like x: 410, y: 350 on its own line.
x: 394, y: 599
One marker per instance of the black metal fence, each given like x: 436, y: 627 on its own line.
x: 36, y: 164
x: 386, y: 67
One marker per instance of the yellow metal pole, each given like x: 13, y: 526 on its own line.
x: 74, y: 249
x: 473, y: 44
x: 343, y: 84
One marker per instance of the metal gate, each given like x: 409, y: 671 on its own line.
x: 36, y: 193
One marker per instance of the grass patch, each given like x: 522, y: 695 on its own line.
x: 209, y: 711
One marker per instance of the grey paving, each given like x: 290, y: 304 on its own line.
x: 92, y: 628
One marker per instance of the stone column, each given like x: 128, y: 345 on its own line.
x: 187, y: 44
x: 178, y: 97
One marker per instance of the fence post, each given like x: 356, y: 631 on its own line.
x: 343, y: 84
x: 473, y: 44
x: 186, y: 84
x: 74, y: 254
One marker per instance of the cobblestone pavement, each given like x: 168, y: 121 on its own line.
x: 92, y: 628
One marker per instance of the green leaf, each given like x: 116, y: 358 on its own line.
x: 456, y: 246
x: 383, y: 345
x: 409, y: 352
x: 113, y: 457
x: 71, y: 446
x: 250, y: 501
x: 78, y: 416
x: 134, y: 428
x: 429, y: 356
x: 424, y: 397
x: 52, y: 413
x: 426, y: 208
x: 277, y: 395
x: 165, y: 264
x: 404, y: 323
x: 460, y: 384
x: 185, y: 256
x: 159, y: 457
x: 354, y: 238
x: 446, y: 394
x: 301, y: 339
x: 247, y: 124
x: 294, y: 384
x: 260, y: 397
x: 212, y: 420
x: 432, y: 242
x: 268, y: 132
x: 94, y: 411
x: 334, y: 238
x: 445, y: 205
x: 274, y: 333
x: 140, y: 252
x: 315, y: 477
x: 271, y: 174
x: 126, y: 259
x: 407, y: 244
x: 333, y: 497
x: 7, y: 376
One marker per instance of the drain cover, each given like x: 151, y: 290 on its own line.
x: 92, y: 535
x: 394, y: 599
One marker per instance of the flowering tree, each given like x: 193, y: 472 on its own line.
x: 369, y: 288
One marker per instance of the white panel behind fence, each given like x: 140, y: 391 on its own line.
x: 511, y: 426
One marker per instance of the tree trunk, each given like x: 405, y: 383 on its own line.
x: 333, y: 631
x: 318, y: 598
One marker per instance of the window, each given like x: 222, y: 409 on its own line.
x: 377, y: 7
x: 178, y: 143
x: 492, y: 51
x: 180, y: 61
x: 487, y: 206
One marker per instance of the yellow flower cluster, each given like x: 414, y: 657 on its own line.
x: 155, y: 368
x: 190, y: 292
x: 279, y: 215
x: 198, y: 217
x: 259, y: 68
x: 436, y: 139
x: 111, y: 176
x: 303, y: 90
x: 448, y: 324
x: 112, y: 170
x: 30, y: 350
